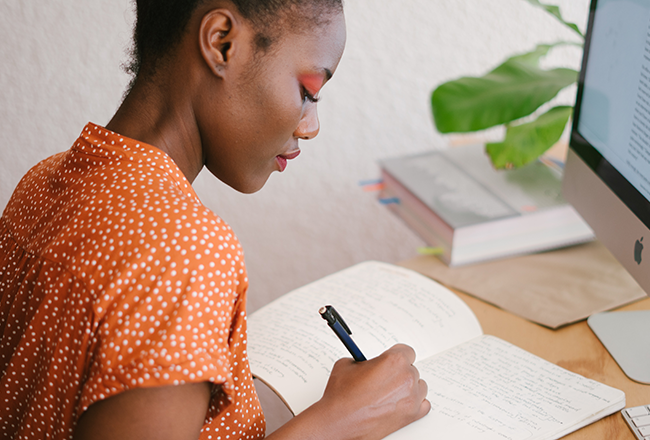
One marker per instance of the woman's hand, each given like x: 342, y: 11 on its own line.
x: 364, y: 400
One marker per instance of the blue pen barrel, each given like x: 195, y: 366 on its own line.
x: 347, y: 341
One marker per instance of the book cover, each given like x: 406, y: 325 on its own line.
x: 456, y: 200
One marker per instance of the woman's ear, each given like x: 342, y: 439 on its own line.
x: 216, y: 34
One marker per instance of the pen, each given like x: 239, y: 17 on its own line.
x: 336, y: 323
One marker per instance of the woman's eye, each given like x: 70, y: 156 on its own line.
x: 306, y: 96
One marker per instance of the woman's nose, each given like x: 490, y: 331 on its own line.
x: 309, y: 125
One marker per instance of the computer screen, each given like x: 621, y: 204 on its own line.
x: 607, y: 173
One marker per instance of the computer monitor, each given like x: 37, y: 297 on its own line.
x: 607, y: 172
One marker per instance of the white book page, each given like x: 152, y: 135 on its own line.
x: 490, y: 389
x: 292, y: 349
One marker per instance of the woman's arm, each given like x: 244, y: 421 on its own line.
x: 363, y: 400
x: 174, y: 412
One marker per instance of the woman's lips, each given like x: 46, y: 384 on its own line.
x: 283, y: 158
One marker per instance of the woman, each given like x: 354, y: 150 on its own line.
x: 123, y: 297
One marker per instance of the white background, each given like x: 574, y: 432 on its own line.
x: 60, y: 68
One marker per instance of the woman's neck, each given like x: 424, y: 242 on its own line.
x: 161, y: 119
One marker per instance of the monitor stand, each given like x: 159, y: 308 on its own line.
x: 626, y: 335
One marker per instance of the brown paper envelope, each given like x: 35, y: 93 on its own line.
x: 552, y: 288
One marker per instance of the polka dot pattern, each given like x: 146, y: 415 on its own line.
x: 114, y: 276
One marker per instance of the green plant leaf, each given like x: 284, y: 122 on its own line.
x: 555, y: 11
x: 532, y: 58
x: 511, y: 91
x: 526, y: 142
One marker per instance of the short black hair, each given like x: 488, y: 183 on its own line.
x: 160, y: 24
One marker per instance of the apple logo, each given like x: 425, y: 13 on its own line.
x: 638, y: 248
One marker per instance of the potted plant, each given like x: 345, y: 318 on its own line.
x: 509, y: 95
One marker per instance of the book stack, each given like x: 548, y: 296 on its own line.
x: 457, y: 201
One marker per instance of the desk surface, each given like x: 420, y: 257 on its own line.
x: 575, y: 348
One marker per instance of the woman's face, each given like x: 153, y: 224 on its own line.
x: 254, y: 128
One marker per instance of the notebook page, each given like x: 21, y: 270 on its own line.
x: 490, y: 389
x: 292, y: 349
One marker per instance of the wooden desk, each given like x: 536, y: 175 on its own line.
x: 575, y: 348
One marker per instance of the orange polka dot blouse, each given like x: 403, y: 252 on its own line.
x: 113, y: 276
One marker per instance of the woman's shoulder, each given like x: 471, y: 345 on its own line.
x: 134, y: 182
x: 129, y: 205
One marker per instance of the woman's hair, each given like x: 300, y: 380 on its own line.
x: 160, y: 24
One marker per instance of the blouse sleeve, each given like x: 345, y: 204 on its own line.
x: 173, y: 314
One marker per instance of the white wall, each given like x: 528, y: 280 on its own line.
x: 60, y: 67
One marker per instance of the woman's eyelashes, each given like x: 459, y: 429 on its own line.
x: 311, y: 84
x: 306, y: 96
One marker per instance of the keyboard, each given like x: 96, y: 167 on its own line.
x: 638, y: 419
